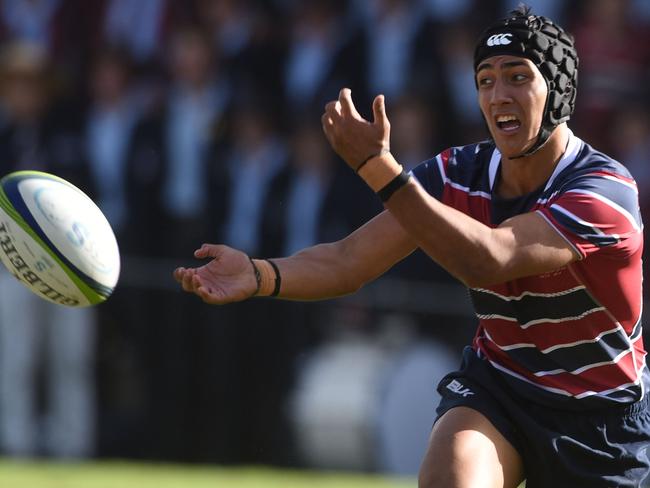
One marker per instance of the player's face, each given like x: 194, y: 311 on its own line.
x: 512, y: 96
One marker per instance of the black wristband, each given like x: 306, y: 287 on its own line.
x: 278, y: 279
x: 258, y: 276
x: 395, y: 184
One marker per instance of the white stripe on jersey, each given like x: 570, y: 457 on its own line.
x: 457, y: 186
x: 573, y: 246
x: 559, y: 391
x: 540, y: 321
x: 610, y: 203
x: 530, y: 293
x: 584, y: 368
x: 578, y: 220
x: 555, y: 347
x: 619, y: 180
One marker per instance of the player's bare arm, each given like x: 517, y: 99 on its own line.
x: 318, y: 272
x: 474, y: 253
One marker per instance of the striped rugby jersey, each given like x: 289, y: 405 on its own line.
x: 569, y: 338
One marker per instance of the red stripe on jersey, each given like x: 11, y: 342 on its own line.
x: 599, y: 213
x: 621, y: 295
x: 556, y: 281
x: 474, y: 205
x: 548, y: 334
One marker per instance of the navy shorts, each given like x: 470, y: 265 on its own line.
x: 559, y: 448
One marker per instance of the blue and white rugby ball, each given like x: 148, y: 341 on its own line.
x: 55, y: 240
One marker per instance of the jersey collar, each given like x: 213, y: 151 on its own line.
x: 573, y: 148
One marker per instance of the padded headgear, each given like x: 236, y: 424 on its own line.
x: 550, y: 48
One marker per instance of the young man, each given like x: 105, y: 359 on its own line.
x: 546, y: 233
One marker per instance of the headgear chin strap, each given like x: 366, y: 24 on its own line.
x: 550, y: 48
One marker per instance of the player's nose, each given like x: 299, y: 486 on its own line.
x: 500, y: 93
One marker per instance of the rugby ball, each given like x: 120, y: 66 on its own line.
x: 55, y: 240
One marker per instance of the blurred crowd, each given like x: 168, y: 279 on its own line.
x: 193, y: 121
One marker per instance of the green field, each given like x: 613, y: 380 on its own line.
x: 133, y: 475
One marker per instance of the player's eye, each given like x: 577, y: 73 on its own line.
x: 484, y: 81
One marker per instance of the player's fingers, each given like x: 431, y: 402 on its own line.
x: 208, y: 295
x: 178, y: 274
x: 208, y: 251
x: 328, y: 127
x: 347, y: 106
x: 204, y: 293
x: 379, y: 110
x: 333, y: 109
x: 184, y: 277
x: 326, y: 121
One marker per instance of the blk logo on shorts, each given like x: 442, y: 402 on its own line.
x: 499, y: 40
x: 458, y: 388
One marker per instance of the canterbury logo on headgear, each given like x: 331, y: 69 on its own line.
x: 499, y: 40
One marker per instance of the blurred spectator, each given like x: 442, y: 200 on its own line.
x: 39, y: 339
x: 415, y: 130
x: 55, y: 26
x: 458, y: 73
x: 168, y: 167
x: 303, y: 189
x: 112, y: 113
x: 391, y: 28
x: 448, y: 11
x: 141, y: 27
x: 168, y: 191
x: 247, y: 36
x: 631, y: 135
x: 110, y: 117
x: 254, y: 156
x: 318, y: 59
x: 230, y: 23
x: 641, y: 10
x: 30, y: 20
x: 614, y: 55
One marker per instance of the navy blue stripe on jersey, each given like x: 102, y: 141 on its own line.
x: 456, y: 168
x: 637, y: 330
x: 574, y: 358
x: 531, y: 308
x: 622, y: 394
x: 428, y: 175
x: 586, y: 230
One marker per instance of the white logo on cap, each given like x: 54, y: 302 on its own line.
x: 499, y: 40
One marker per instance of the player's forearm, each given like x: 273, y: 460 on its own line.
x: 342, y: 267
x: 315, y: 273
x: 462, y: 245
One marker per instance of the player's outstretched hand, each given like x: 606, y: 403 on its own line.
x: 227, y: 277
x: 354, y: 138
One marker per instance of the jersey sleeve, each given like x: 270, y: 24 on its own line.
x: 431, y: 174
x: 597, y: 211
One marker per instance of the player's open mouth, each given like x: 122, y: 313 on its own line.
x: 508, y: 123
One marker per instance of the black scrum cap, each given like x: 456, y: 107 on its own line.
x: 550, y: 48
